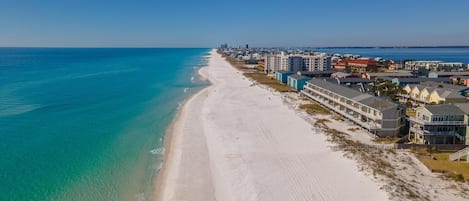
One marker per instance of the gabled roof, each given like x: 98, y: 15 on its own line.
x: 443, y: 90
x: 444, y: 109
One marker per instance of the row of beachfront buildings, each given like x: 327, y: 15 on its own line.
x: 343, y: 83
x: 315, y: 61
x: 440, y: 114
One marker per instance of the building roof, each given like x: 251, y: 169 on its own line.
x: 283, y: 71
x: 349, y: 79
x: 448, y: 91
x: 299, y: 77
x: 340, y: 74
x: 364, y: 98
x: 361, y: 61
x: 306, y: 73
x: 450, y: 73
x: 444, y: 109
x: 424, y: 79
x: 416, y: 80
x: 463, y: 106
x: 400, y: 74
x: 457, y: 76
x: 443, y: 85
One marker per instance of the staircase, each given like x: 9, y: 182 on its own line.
x: 459, y: 154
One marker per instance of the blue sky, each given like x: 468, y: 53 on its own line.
x: 207, y: 23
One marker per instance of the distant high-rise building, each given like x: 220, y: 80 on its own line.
x: 247, y: 46
x: 224, y: 46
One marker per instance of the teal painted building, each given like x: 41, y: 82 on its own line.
x: 297, y: 81
x: 281, y: 75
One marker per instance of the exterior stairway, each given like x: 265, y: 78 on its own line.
x: 459, y: 154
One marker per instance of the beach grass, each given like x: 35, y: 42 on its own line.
x: 386, y: 140
x: 257, y: 74
x: 261, y: 78
x: 314, y: 108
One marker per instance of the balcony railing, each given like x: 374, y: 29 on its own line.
x: 437, y: 133
x: 357, y: 120
x: 345, y: 104
x: 422, y: 122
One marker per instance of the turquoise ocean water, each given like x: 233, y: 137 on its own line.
x: 87, y: 124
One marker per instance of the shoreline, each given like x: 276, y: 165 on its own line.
x: 168, y: 139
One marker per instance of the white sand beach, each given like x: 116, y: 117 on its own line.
x: 237, y: 142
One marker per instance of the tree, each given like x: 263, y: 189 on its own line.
x: 383, y: 87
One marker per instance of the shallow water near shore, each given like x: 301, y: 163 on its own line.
x: 88, y: 124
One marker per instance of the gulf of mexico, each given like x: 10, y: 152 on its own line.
x: 87, y: 124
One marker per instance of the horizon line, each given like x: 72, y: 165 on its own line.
x: 318, y: 47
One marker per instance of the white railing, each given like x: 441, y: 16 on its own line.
x: 459, y: 154
x: 420, y: 121
x: 369, y: 126
x: 345, y: 104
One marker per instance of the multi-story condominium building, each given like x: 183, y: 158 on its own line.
x: 378, y: 115
x: 317, y: 63
x: 433, y: 93
x: 276, y: 62
x: 416, y: 65
x: 297, y: 63
x: 438, y: 124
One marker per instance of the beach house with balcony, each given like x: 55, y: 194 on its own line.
x: 378, y: 115
x: 438, y: 124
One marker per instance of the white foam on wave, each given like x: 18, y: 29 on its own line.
x: 185, y: 90
x: 157, y: 151
x: 140, y: 196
